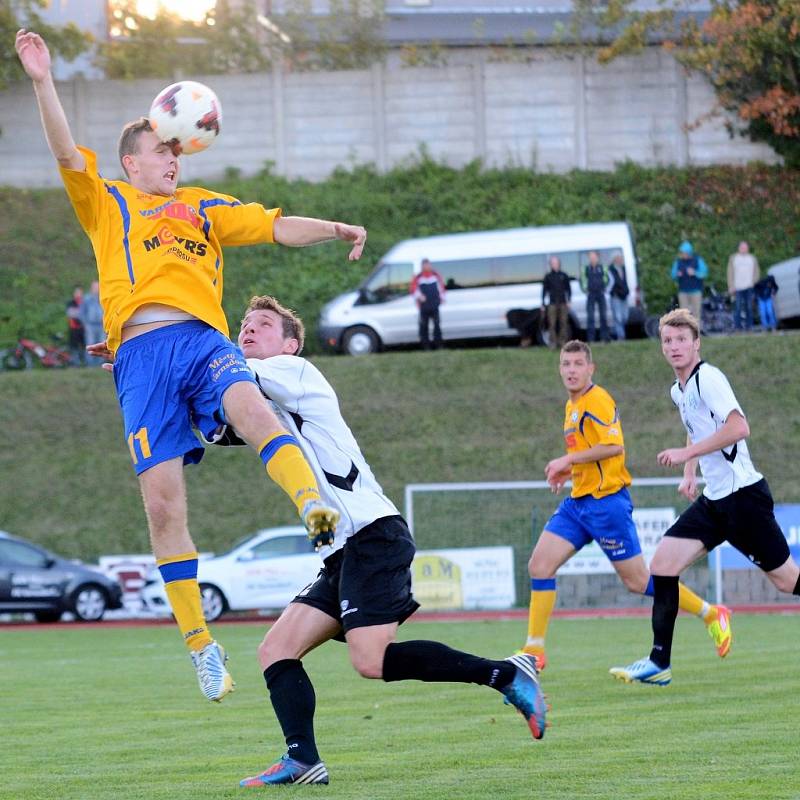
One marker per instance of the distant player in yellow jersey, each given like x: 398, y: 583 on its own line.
x: 160, y: 263
x: 599, y: 507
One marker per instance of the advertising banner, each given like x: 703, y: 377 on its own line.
x: 464, y: 578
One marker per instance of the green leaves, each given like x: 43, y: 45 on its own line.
x: 68, y: 41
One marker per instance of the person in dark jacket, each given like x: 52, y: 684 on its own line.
x: 556, y: 296
x: 428, y: 290
x: 765, y: 290
x: 618, y: 295
x: 595, y: 282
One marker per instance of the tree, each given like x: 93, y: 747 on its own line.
x: 67, y: 42
x: 167, y: 46
x: 233, y: 38
x: 748, y: 49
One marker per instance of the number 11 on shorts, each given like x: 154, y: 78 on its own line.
x: 144, y: 446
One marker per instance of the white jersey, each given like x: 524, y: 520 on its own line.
x: 704, y: 404
x: 307, y: 405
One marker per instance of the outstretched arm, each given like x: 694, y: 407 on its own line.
x: 301, y: 231
x: 35, y: 58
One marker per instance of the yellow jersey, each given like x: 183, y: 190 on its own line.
x: 155, y: 249
x: 593, y: 419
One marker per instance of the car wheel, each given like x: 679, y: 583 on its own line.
x: 360, y: 340
x: 214, y: 602
x: 89, y: 603
x: 47, y: 616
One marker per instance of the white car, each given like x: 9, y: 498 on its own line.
x: 787, y: 300
x: 263, y: 571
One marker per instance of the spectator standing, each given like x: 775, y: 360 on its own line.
x: 618, y: 292
x: 595, y: 283
x: 689, y: 271
x: 91, y: 315
x: 743, y: 272
x: 428, y: 290
x: 76, y: 340
x: 764, y: 291
x: 556, y: 296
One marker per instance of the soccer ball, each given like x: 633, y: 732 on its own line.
x: 187, y: 115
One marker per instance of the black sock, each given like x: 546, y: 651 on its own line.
x: 796, y: 589
x: 435, y: 662
x: 665, y: 612
x: 294, y: 701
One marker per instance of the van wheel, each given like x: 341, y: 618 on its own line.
x: 360, y: 340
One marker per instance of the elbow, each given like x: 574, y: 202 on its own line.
x: 744, y: 429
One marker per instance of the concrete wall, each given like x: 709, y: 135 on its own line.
x: 552, y: 114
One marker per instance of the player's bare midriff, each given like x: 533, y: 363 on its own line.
x: 151, y: 316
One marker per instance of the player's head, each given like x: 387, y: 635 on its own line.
x: 269, y: 329
x: 150, y: 164
x: 576, y: 366
x: 679, y: 332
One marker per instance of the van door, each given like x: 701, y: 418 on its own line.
x: 481, y: 292
x: 386, y: 304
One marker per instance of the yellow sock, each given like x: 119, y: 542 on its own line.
x: 693, y: 604
x: 543, y: 600
x: 180, y: 581
x: 287, y: 466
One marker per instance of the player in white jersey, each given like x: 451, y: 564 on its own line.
x: 363, y: 591
x: 736, y: 504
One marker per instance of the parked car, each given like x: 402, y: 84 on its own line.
x: 787, y: 300
x: 486, y: 274
x: 263, y: 571
x: 34, y: 580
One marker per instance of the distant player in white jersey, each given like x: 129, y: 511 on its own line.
x: 363, y: 591
x: 736, y: 504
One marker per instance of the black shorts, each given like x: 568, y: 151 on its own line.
x: 368, y: 581
x: 745, y: 518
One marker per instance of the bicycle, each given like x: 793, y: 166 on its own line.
x: 28, y: 351
x: 715, y: 315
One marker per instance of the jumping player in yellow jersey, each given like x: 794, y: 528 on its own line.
x: 599, y: 507
x: 159, y: 258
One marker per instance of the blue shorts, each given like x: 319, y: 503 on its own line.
x: 170, y: 380
x: 608, y: 520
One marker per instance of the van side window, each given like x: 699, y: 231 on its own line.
x: 474, y: 273
x: 388, y: 282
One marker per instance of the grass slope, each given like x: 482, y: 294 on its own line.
x: 105, y: 713
x: 44, y: 253
x: 452, y: 415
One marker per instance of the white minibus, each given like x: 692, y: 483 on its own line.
x: 486, y: 275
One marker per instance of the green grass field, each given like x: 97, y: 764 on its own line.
x: 107, y: 712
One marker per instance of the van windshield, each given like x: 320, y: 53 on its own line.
x: 390, y: 280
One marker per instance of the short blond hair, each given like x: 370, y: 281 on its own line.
x: 680, y: 318
x: 129, y: 138
x: 577, y: 346
x: 293, y: 327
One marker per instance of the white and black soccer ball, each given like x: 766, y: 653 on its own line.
x: 186, y: 114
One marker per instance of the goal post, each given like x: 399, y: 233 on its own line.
x: 513, y: 513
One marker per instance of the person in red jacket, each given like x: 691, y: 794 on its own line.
x: 427, y: 287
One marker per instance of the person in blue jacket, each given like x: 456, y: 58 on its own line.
x: 688, y: 271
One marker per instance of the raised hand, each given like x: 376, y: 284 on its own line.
x: 33, y: 54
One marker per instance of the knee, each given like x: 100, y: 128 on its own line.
x: 273, y: 649
x: 636, y: 584
x: 538, y: 568
x: 367, y: 665
x: 785, y: 583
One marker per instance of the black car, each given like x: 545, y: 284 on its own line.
x: 34, y: 580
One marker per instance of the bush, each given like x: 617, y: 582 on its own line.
x: 44, y: 254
